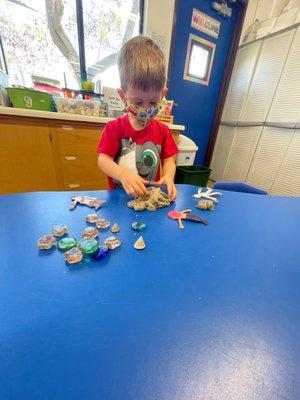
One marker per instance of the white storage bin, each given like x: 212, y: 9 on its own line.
x: 186, y: 151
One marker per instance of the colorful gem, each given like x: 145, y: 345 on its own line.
x: 115, y: 228
x: 102, y: 223
x: 92, y: 218
x: 46, y: 242
x: 73, y: 256
x: 101, y: 253
x: 139, y: 244
x: 66, y: 243
x: 88, y: 246
x: 138, y: 226
x: 112, y: 242
x: 59, y: 230
x: 90, y: 232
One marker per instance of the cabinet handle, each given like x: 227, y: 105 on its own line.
x: 67, y: 127
x: 70, y: 158
x: 74, y: 185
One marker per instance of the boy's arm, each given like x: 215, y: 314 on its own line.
x: 169, y: 169
x: 133, y: 184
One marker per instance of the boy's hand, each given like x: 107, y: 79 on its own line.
x: 169, y: 182
x: 134, y: 184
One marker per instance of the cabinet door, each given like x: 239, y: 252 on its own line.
x: 266, y: 77
x: 287, y: 181
x: 285, y: 108
x: 242, y: 152
x: 221, y: 151
x: 268, y: 156
x: 240, y: 81
x: 26, y: 160
x: 77, y: 158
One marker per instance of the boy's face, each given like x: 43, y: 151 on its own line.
x: 140, y: 98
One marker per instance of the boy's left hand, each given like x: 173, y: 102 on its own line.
x: 169, y: 182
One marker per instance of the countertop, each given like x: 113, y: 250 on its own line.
x: 65, y: 117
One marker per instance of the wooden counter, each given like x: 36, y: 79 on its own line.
x: 41, y: 150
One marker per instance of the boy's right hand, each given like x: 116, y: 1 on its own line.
x: 133, y: 184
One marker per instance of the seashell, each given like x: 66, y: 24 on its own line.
x: 59, y: 230
x: 139, y: 244
x: 112, y: 242
x: 205, y: 205
x: 92, y: 218
x: 115, y: 228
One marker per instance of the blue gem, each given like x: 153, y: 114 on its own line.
x: 101, y: 253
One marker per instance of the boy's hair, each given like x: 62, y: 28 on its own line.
x: 141, y: 65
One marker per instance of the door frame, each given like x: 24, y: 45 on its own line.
x: 242, y: 8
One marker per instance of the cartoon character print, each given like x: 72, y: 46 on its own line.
x: 143, y: 159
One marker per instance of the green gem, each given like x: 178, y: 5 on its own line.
x: 66, y: 243
x: 138, y: 226
x: 88, y: 246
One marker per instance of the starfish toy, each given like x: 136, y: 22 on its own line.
x: 208, y: 195
x: 185, y: 214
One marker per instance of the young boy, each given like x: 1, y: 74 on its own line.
x: 132, y: 146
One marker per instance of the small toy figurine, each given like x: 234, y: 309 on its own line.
x: 92, y: 202
x: 185, y: 214
x: 208, y: 195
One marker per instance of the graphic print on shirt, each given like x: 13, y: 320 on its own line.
x: 141, y: 158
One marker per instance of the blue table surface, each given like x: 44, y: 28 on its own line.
x: 209, y: 312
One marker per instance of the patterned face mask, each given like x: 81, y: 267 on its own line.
x: 143, y: 115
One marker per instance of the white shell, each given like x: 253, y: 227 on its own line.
x: 139, y: 244
x: 115, y: 228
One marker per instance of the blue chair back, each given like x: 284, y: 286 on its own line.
x: 237, y: 186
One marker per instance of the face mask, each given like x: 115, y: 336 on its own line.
x: 143, y: 115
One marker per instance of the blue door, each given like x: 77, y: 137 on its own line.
x: 196, y: 102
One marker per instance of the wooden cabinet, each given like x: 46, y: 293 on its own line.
x: 50, y: 154
x: 26, y: 159
x: 74, y: 147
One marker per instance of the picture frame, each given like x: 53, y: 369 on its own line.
x: 199, y: 60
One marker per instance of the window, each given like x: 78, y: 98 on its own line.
x: 40, y: 39
x: 199, y: 60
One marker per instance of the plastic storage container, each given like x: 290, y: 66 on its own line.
x: 187, y: 151
x: 192, y: 175
x: 77, y: 106
x: 29, y: 98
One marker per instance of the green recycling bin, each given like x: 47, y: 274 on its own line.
x: 192, y: 175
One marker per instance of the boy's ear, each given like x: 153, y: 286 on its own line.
x: 121, y: 93
x: 164, y: 91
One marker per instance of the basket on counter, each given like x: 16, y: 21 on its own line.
x: 78, y: 106
x: 30, y: 99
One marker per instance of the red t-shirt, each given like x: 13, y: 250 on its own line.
x: 156, y: 136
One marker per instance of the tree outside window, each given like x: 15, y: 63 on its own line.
x: 40, y: 38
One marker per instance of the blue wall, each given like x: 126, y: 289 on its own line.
x: 196, y: 102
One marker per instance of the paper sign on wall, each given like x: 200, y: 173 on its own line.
x: 205, y: 24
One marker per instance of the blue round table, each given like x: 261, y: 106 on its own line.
x: 209, y: 312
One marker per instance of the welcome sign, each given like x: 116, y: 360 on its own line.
x: 205, y: 24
